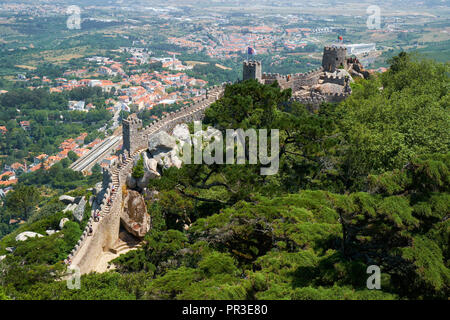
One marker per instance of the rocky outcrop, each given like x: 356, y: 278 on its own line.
x: 76, y: 205
x: 163, y: 148
x: 150, y: 164
x: 98, y: 192
x: 150, y: 172
x: 27, y: 234
x: 356, y: 69
x: 181, y: 132
x: 161, y: 142
x: 162, y: 154
x: 134, y: 217
x: 342, y: 73
x: 62, y: 222
x: 168, y: 159
x: 148, y: 175
x: 206, y: 137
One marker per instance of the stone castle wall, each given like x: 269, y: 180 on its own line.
x: 323, y: 98
x: 89, y: 249
x: 332, y: 79
x: 139, y: 138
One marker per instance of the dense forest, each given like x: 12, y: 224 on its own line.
x: 364, y: 182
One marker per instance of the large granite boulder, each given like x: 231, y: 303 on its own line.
x: 134, y: 217
x: 70, y: 207
x: 163, y: 159
x: 176, y: 161
x: 78, y: 213
x: 163, y: 148
x: 181, y: 133
x: 62, y: 222
x: 357, y: 74
x: 27, y: 234
x: 356, y: 69
x: 150, y: 172
x: 142, y: 183
x: 67, y: 199
x: 328, y: 88
x: 150, y: 164
x: 163, y: 153
x: 91, y: 200
x: 161, y: 142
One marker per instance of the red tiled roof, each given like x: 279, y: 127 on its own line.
x: 17, y: 165
x: 35, y: 168
x: 8, y: 183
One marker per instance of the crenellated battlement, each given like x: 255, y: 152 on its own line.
x: 335, y: 48
x: 133, y: 120
x: 317, y: 100
x: 337, y: 95
x: 252, y: 63
x: 333, y: 79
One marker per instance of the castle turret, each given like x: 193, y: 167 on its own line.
x: 252, y: 70
x: 130, y: 128
x: 334, y: 58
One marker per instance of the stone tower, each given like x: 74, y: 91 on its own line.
x: 252, y: 70
x: 130, y: 128
x: 333, y: 58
